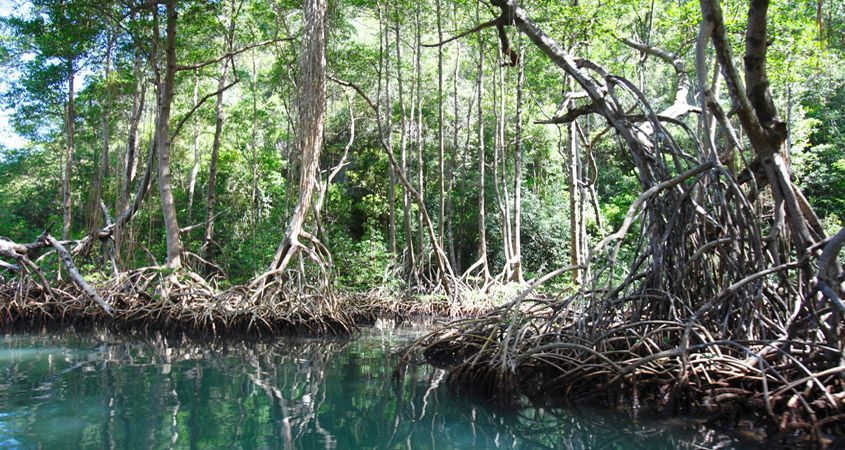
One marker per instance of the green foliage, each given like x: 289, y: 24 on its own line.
x: 259, y: 133
x: 365, y: 263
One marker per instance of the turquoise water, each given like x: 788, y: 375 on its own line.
x: 97, y: 390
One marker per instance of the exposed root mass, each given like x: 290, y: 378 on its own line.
x: 181, y: 301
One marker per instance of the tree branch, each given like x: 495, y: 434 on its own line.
x: 670, y: 58
x: 231, y: 54
x: 488, y: 24
x: 199, y: 103
x: 570, y: 115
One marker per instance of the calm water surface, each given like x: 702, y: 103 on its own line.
x: 97, y: 390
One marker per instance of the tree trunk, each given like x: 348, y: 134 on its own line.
x: 453, y: 154
x: 500, y: 184
x: 165, y: 184
x: 403, y: 153
x: 70, y: 119
x: 192, y: 180
x: 482, y: 221
x: 440, y: 150
x: 107, y: 112
x: 255, y: 203
x: 138, y: 97
x: 312, y: 109
x: 391, y: 229
x: 211, y: 194
x: 757, y: 113
x: 517, y: 174
x: 575, y: 249
x: 463, y: 185
x: 94, y: 213
x: 420, y: 133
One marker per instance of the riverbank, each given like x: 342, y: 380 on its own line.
x: 185, y: 303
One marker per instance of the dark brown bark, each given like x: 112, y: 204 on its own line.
x: 575, y: 250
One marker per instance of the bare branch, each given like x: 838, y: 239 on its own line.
x: 231, y: 54
x: 199, y: 103
x: 570, y: 115
x: 670, y: 58
x: 488, y: 24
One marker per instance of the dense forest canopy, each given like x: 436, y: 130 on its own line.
x: 81, y: 90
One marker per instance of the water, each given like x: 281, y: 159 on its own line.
x: 96, y: 390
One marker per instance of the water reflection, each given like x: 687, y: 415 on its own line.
x: 100, y: 391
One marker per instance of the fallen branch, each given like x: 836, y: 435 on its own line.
x: 76, y: 276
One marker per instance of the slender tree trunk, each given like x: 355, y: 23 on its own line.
x: 412, y: 145
x: 507, y: 223
x: 94, y: 212
x: 127, y: 167
x: 101, y: 210
x: 517, y: 175
x: 440, y: 149
x: 450, y: 175
x: 403, y: 152
x: 192, y: 181
x: 107, y: 112
x: 312, y: 110
x: 138, y: 97
x: 500, y: 186
x: 70, y: 120
x: 420, y: 133
x: 165, y: 184
x: 391, y: 229
x: 255, y: 203
x: 574, y: 208
x: 482, y: 220
x: 211, y: 194
x: 463, y: 186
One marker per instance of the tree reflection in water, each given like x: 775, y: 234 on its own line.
x: 98, y: 390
